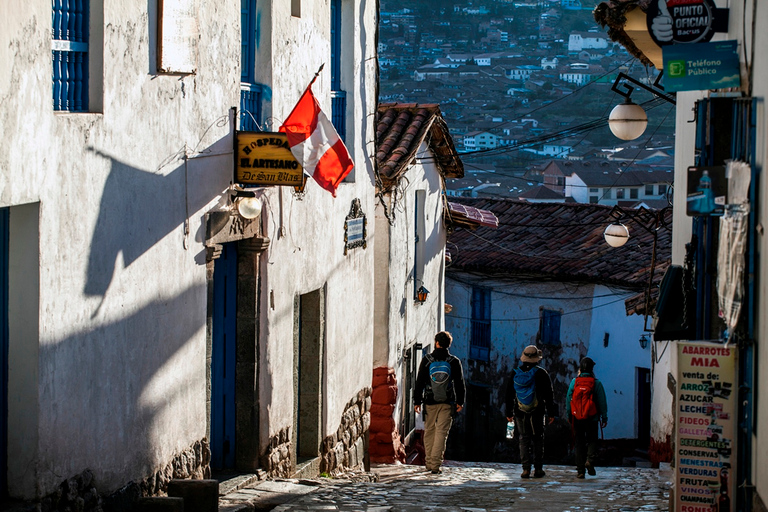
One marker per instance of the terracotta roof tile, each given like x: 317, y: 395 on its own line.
x: 559, y: 240
x: 400, y: 131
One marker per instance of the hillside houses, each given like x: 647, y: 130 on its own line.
x: 507, y: 61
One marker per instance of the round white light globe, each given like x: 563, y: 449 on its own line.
x: 249, y: 207
x: 627, y: 121
x: 616, y: 234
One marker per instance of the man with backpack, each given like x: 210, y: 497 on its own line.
x: 586, y: 405
x: 529, y: 399
x: 440, y: 386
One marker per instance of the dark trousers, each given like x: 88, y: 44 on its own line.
x: 530, y: 426
x: 585, y: 432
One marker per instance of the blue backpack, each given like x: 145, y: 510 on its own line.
x: 439, y: 383
x: 525, y: 388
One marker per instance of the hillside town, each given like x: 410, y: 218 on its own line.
x: 504, y: 73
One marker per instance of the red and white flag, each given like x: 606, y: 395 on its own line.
x: 316, y: 144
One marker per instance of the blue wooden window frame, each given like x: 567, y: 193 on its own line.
x: 549, y: 326
x: 69, y: 49
x: 250, y: 92
x: 338, y: 97
x: 480, y: 338
x: 248, y: 40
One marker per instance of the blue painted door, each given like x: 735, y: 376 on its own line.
x: 223, y: 359
x: 4, y: 214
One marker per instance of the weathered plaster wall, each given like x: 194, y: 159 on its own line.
x: 307, y: 232
x: 617, y: 364
x: 589, y: 311
x: 122, y: 303
x: 755, y: 42
x: 412, y: 322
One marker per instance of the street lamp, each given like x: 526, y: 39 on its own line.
x: 616, y: 234
x: 628, y: 120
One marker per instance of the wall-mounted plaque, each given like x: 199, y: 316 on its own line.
x: 265, y: 158
x: 355, y: 228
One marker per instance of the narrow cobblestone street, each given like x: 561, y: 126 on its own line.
x: 475, y: 487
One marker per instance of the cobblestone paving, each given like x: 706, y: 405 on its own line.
x: 484, y: 487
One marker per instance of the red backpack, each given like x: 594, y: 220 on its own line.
x: 583, y: 400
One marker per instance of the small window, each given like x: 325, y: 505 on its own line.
x: 296, y: 8
x: 480, y: 337
x: 549, y: 326
x: 633, y: 193
x: 649, y: 190
x: 662, y: 190
x: 619, y: 193
x: 594, y: 199
x: 594, y: 191
x: 71, y: 24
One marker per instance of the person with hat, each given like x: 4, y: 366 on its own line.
x: 529, y: 399
x: 586, y: 405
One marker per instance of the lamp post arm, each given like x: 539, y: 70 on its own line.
x: 657, y: 89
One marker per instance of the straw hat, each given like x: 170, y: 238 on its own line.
x: 531, y: 354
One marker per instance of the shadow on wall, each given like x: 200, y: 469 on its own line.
x: 139, y: 208
x: 114, y: 398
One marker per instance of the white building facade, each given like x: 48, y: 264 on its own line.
x: 122, y: 237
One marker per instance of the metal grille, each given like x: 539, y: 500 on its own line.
x: 339, y: 113
x: 70, y: 55
x: 250, y: 107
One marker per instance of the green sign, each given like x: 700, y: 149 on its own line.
x: 701, y: 66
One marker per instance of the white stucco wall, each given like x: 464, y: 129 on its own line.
x: 407, y: 321
x: 588, y: 312
x: 307, y: 234
x: 122, y: 296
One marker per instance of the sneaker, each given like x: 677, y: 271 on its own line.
x: 437, y: 471
x: 539, y: 473
x: 590, y: 468
x: 579, y: 475
x: 526, y: 473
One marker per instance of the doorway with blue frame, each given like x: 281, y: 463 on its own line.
x: 223, y: 359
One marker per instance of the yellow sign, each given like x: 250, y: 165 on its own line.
x: 265, y: 158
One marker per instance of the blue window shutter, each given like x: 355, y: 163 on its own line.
x: 335, y: 45
x: 70, y: 55
x: 338, y: 97
x: 248, y: 39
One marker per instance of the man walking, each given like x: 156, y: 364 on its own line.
x: 440, y: 387
x: 529, y: 399
x: 586, y: 404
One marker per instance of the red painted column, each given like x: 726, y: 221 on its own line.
x: 385, y: 444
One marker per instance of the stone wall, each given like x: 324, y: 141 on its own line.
x: 343, y: 450
x: 346, y: 448
x: 277, y: 459
x: 79, y: 492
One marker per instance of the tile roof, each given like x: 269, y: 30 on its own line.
x: 562, y: 241
x: 541, y: 192
x: 469, y: 216
x: 400, y: 131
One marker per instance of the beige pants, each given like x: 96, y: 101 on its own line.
x: 437, y: 423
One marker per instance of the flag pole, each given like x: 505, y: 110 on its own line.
x: 305, y: 92
x: 316, y: 75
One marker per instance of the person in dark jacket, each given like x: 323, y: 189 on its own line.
x: 438, y: 412
x: 528, y: 408
x: 585, y: 430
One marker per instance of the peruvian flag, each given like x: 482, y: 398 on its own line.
x: 316, y: 144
